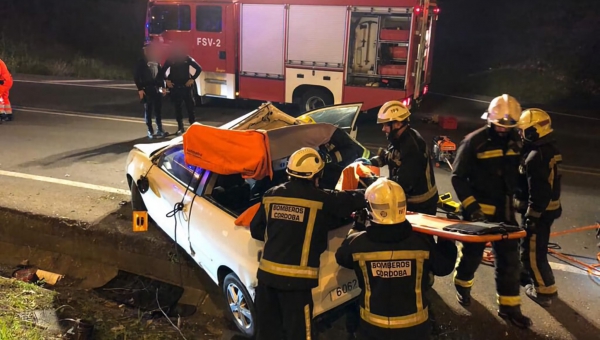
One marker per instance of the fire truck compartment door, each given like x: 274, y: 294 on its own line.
x: 263, y: 39
x: 317, y: 35
x: 214, y: 50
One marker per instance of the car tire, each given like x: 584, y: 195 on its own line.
x: 137, y: 202
x: 315, y: 98
x: 241, y: 307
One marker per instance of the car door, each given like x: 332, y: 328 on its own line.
x: 170, y: 180
x: 343, y: 116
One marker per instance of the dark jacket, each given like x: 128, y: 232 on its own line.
x: 393, y: 264
x: 409, y: 163
x: 539, y: 187
x: 294, y: 220
x: 180, y: 70
x: 485, y: 174
x: 148, y: 75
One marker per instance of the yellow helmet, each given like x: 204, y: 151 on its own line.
x: 305, y: 163
x: 534, y: 124
x: 392, y: 111
x: 306, y: 119
x: 387, y: 202
x: 503, y: 111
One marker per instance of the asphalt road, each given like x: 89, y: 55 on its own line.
x: 81, y: 132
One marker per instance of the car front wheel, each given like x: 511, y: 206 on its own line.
x: 241, y: 306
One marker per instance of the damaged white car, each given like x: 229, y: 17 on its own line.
x: 205, y: 220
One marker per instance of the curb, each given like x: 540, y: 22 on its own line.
x: 66, y: 246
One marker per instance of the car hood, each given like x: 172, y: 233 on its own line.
x: 266, y: 117
x: 150, y: 149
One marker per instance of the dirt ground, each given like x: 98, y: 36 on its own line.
x: 115, y: 313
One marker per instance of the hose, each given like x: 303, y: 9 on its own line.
x: 593, y: 270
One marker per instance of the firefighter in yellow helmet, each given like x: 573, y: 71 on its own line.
x: 485, y: 175
x: 294, y: 220
x: 407, y: 158
x: 538, y: 202
x: 392, y: 263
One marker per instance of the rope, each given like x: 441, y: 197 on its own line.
x: 593, y: 270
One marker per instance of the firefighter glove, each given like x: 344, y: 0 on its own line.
x: 478, y: 216
x: 531, y: 223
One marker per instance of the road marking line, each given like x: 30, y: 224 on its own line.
x: 65, y: 182
x: 74, y: 81
x: 123, y: 85
x: 486, y: 102
x: 568, y: 268
x: 92, y: 116
x: 80, y: 85
x: 107, y: 117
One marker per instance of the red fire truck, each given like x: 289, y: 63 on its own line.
x: 310, y: 52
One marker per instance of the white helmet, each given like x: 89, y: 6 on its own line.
x: 387, y: 202
x: 305, y: 163
x: 503, y: 111
x: 392, y: 111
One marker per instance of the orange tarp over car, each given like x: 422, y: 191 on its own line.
x: 228, y: 152
x: 249, y: 152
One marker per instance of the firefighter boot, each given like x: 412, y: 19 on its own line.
x: 544, y: 300
x: 514, y: 315
x: 463, y: 295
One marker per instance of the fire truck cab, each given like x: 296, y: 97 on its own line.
x: 310, y: 52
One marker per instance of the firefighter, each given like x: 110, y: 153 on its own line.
x: 485, y: 176
x: 407, y: 158
x: 294, y: 220
x: 392, y: 263
x: 538, y: 202
x: 151, y: 88
x: 180, y: 83
x: 6, y: 82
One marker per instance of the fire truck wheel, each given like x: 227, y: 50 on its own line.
x: 315, y: 98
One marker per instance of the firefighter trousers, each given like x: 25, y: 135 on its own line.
x: 284, y: 314
x: 507, y: 264
x: 5, y: 108
x: 534, y: 255
x: 179, y: 95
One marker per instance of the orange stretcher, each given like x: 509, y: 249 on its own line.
x: 456, y: 229
x: 464, y: 231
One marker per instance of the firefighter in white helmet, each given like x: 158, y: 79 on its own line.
x: 392, y: 263
x: 294, y: 220
x: 407, y: 158
x: 538, y: 202
x: 485, y: 175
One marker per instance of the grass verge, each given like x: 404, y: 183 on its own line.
x: 56, y: 61
x: 18, y: 300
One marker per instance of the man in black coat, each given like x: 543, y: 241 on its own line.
x: 150, y: 84
x: 180, y: 83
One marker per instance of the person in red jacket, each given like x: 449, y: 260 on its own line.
x: 6, y: 82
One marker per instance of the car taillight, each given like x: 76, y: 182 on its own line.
x: 425, y: 89
x: 436, y: 10
x: 418, y: 9
x: 406, y: 102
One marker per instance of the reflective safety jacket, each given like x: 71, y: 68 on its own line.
x: 485, y: 175
x: 6, y: 79
x: 409, y: 163
x: 393, y: 264
x: 294, y: 221
x: 539, y: 181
